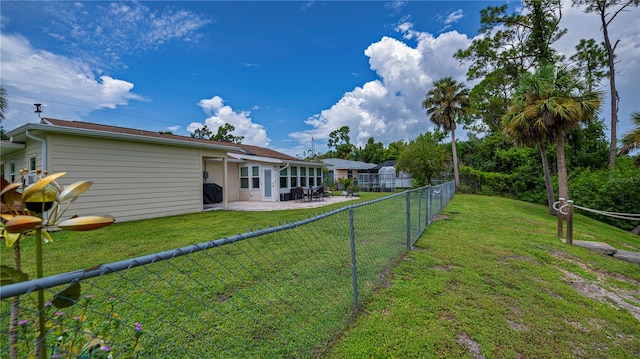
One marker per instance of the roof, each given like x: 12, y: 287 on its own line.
x: 340, y: 164
x: 99, y: 130
x: 389, y: 163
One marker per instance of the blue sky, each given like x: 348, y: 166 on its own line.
x: 283, y: 73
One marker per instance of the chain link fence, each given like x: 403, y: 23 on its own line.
x: 283, y: 292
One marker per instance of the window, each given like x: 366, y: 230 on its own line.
x: 312, y: 179
x: 283, y: 178
x: 244, y: 177
x: 32, y: 164
x: 294, y: 177
x: 255, y: 177
x: 319, y: 176
x: 12, y: 171
x: 303, y: 176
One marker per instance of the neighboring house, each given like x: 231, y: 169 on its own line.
x: 139, y: 174
x: 339, y: 168
x: 384, y: 178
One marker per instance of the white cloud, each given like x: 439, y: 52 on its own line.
x: 67, y: 88
x: 389, y: 109
x: 121, y: 28
x: 454, y: 17
x: 396, y: 5
x: 220, y: 114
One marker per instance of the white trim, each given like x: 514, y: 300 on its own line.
x: 254, y: 158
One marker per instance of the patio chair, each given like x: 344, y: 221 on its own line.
x: 320, y: 193
x: 298, y: 194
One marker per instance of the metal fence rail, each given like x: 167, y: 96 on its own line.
x: 284, y: 291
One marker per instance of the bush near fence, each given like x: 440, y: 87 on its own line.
x: 285, y: 291
x: 607, y: 190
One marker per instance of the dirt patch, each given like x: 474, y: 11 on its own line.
x: 517, y: 326
x: 628, y: 299
x: 440, y: 217
x: 465, y: 340
x: 620, y: 298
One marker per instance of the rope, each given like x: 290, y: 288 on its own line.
x: 628, y: 216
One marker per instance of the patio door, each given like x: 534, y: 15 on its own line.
x: 269, y: 184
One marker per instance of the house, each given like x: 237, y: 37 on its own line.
x: 139, y: 174
x: 384, y: 178
x: 339, y: 168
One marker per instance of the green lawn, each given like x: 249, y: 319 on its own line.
x: 78, y: 250
x: 282, y: 294
x: 492, y: 279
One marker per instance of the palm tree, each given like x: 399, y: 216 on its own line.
x: 552, y: 102
x: 528, y: 133
x: 3, y: 103
x: 445, y: 103
x: 631, y: 140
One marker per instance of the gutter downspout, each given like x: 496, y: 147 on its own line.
x: 44, y: 149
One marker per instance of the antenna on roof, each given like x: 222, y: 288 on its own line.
x: 38, y: 110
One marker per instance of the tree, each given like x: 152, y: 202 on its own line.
x: 590, y: 62
x: 527, y: 131
x: 224, y: 134
x: 424, y: 158
x: 202, y: 133
x: 3, y: 109
x: 608, y: 10
x: 511, y: 45
x: 552, y: 102
x: 339, y: 139
x: 631, y: 140
x: 445, y: 103
x: 393, y: 150
x: 373, y: 152
x: 589, y: 146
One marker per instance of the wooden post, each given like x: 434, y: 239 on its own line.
x: 570, y: 222
x: 560, y: 217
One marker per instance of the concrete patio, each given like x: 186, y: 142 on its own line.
x: 278, y: 206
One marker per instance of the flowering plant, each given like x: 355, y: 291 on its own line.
x: 23, y: 209
x: 72, y: 334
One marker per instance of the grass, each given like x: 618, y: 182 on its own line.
x: 284, y: 294
x: 493, y: 280
x: 78, y: 250
x: 490, y: 279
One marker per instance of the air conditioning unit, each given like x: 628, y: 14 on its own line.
x: 30, y: 178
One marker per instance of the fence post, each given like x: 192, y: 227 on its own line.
x: 354, y: 272
x: 429, y: 205
x: 426, y: 208
x: 408, y: 204
x: 419, y: 216
x: 560, y: 215
x: 570, y: 222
